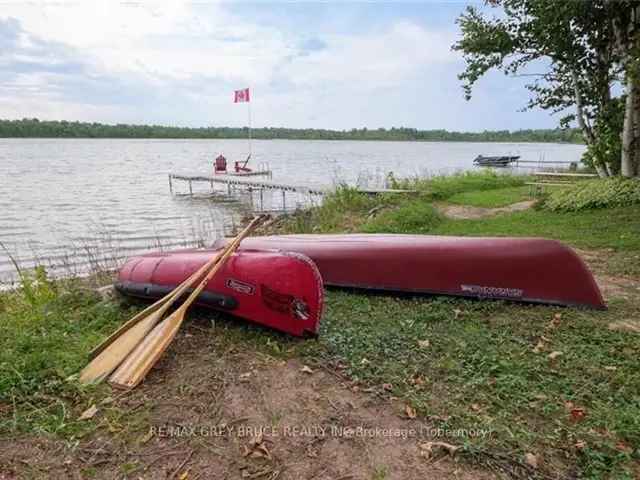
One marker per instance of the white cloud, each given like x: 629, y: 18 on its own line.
x: 178, y: 62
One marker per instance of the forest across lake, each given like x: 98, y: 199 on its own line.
x: 35, y: 128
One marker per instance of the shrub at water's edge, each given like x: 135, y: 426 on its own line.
x: 347, y: 209
x: 444, y: 187
x: 603, y: 193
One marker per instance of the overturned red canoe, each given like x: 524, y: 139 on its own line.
x: 279, y: 290
x: 523, y: 269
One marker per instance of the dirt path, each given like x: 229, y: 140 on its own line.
x: 466, y: 212
x: 200, y: 411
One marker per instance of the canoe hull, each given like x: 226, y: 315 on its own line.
x: 283, y: 291
x: 532, y: 270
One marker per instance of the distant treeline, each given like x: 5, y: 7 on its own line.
x: 34, y: 128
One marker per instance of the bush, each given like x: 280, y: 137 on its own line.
x: 602, y: 193
x: 410, y: 217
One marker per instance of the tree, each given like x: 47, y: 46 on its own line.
x: 584, y: 48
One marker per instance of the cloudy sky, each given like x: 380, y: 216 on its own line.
x: 325, y: 64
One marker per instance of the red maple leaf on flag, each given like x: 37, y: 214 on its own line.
x: 241, y: 96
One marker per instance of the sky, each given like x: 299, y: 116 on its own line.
x: 337, y: 65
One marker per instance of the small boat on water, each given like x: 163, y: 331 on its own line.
x: 251, y: 285
x: 500, y: 161
x: 532, y: 270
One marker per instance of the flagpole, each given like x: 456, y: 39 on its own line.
x: 249, y: 110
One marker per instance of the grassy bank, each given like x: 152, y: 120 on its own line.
x: 492, y: 364
x: 559, y: 384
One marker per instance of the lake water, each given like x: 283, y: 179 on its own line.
x: 73, y: 203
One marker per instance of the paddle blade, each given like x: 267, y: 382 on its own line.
x: 116, y: 352
x: 136, y: 366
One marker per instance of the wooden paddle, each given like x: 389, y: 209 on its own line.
x: 112, y: 351
x: 136, y: 366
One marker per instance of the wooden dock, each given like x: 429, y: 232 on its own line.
x: 247, y: 183
x: 235, y: 182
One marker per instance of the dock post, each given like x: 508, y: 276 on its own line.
x: 229, y: 189
x: 170, y: 185
x: 190, y: 189
x: 284, y: 206
x: 261, y: 202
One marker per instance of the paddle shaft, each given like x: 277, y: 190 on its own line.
x: 135, y: 367
x: 161, y: 305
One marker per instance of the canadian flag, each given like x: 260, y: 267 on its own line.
x: 241, y: 95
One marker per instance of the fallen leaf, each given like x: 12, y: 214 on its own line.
x: 245, y: 376
x: 257, y: 440
x: 531, y: 460
x: 306, y: 369
x: 625, y: 326
x: 578, y: 414
x: 184, y: 475
x: 424, y: 343
x: 456, y: 312
x: 145, y: 438
x: 89, y: 413
x: 410, y: 411
x: 554, y: 355
x: 475, y: 407
x: 623, y: 447
x: 538, y: 348
x: 580, y: 444
x: 611, y: 368
x: 387, y: 386
x: 427, y: 449
x: 364, y: 361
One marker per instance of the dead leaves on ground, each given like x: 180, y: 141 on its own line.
x: 410, y: 412
x: 429, y: 449
x: 257, y: 448
x: 576, y: 414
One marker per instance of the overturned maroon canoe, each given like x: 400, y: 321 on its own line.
x: 523, y: 269
x: 280, y: 290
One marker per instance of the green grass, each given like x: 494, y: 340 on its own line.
x: 481, y: 371
x: 414, y: 216
x: 500, y: 197
x: 347, y: 210
x: 47, y: 329
x: 444, y: 187
x: 617, y: 228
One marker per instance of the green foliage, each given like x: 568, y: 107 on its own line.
x: 444, y: 187
x: 341, y: 210
x: 491, y: 198
x: 47, y: 329
x: 582, y: 48
x: 26, y: 128
x: 410, y: 217
x: 602, y: 193
x: 606, y: 148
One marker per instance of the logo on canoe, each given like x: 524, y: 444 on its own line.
x: 285, y: 304
x: 241, y: 287
x: 483, y: 291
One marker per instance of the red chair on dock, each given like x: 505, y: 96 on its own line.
x: 220, y: 165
